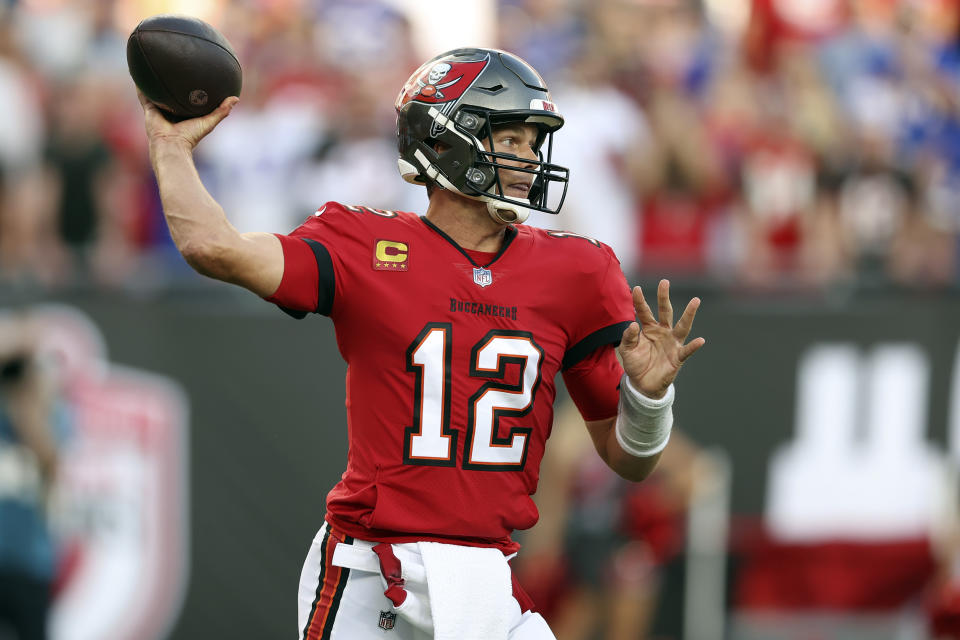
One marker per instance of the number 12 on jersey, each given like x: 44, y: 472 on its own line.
x: 430, y: 440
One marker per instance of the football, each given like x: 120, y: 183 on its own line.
x: 182, y: 65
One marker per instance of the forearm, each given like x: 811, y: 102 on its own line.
x: 635, y: 468
x: 624, y: 464
x: 197, y: 223
x: 631, y: 442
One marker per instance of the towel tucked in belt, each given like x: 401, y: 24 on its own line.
x: 470, y: 591
x: 460, y: 593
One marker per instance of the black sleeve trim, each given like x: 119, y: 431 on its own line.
x: 599, y: 338
x: 326, y: 284
x: 293, y: 313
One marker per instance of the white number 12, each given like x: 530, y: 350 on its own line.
x: 430, y: 440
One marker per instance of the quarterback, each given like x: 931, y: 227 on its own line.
x: 454, y: 325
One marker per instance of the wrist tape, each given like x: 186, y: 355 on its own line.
x: 643, y: 424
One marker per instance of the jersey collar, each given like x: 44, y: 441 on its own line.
x: 507, y: 240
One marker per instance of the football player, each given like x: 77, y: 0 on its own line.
x: 454, y: 325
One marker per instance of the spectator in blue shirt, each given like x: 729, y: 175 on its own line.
x: 28, y: 465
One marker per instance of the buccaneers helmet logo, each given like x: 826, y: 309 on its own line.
x: 432, y: 87
x: 441, y: 82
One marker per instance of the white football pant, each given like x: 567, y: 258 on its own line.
x: 344, y: 603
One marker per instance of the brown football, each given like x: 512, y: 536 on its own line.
x: 183, y: 65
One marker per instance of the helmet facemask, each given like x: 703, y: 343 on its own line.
x: 484, y: 177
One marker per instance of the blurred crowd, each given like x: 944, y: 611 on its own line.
x: 762, y: 145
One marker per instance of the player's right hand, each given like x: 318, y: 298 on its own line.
x: 188, y: 132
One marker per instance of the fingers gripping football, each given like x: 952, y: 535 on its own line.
x: 652, y: 349
x: 189, y: 132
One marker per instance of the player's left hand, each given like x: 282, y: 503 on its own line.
x: 653, y: 357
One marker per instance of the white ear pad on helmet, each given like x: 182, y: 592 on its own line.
x: 507, y: 212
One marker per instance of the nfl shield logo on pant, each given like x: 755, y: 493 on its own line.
x: 387, y: 620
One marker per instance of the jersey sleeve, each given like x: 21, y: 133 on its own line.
x: 606, y: 312
x: 312, y: 262
x: 594, y: 384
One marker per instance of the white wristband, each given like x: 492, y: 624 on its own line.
x: 643, y: 424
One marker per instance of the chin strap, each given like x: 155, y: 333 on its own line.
x: 507, y: 212
x: 500, y: 210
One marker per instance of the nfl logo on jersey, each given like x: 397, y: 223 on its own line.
x: 387, y: 620
x: 482, y: 276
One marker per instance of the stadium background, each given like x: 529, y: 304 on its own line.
x: 797, y: 165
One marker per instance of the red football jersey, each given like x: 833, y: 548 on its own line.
x: 451, y: 364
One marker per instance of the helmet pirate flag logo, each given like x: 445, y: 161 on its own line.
x: 434, y: 88
x: 437, y: 82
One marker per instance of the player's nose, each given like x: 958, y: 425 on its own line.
x: 528, y: 157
